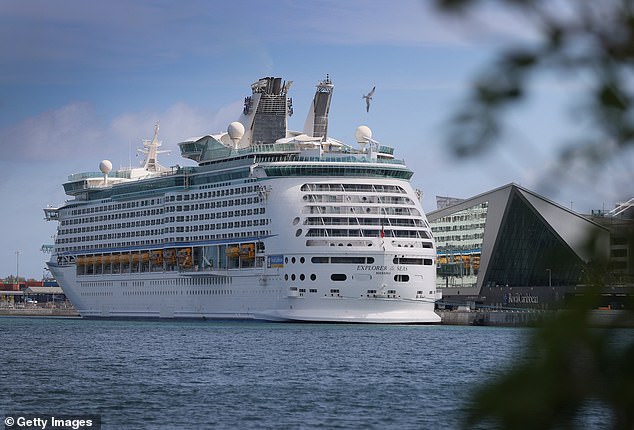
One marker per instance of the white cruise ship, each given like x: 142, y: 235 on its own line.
x: 271, y: 224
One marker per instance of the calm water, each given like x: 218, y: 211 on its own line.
x: 248, y: 375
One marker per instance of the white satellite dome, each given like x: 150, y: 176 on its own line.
x: 236, y: 131
x: 105, y: 166
x: 363, y: 134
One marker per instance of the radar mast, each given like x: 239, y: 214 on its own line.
x: 151, y: 151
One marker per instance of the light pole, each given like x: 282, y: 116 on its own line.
x: 17, y: 267
x: 550, y: 283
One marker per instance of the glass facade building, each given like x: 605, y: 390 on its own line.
x: 511, y: 245
x: 459, y: 239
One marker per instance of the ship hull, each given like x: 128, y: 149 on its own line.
x: 244, y: 297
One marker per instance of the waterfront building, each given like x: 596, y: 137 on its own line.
x: 20, y: 284
x: 31, y: 292
x: 620, y: 222
x: 511, y: 247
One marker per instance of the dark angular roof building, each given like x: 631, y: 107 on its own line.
x: 512, y: 247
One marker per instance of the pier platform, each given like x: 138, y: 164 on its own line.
x: 39, y: 312
x: 509, y: 318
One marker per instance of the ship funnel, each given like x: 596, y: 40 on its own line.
x: 316, y: 124
x: 266, y: 111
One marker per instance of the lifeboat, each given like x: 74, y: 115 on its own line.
x: 80, y: 260
x: 114, y: 259
x: 170, y: 256
x: 145, y: 257
x: 247, y: 251
x: 185, y: 257
x: 233, y: 251
x: 156, y: 257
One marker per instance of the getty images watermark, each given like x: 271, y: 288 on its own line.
x: 54, y: 422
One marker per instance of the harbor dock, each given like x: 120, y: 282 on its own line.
x: 528, y: 318
x: 39, y: 312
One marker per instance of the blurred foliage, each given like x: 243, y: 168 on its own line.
x: 578, y: 38
x: 571, y: 368
x: 577, y: 368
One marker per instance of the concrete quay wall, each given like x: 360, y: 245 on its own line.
x: 596, y: 318
x: 39, y: 312
x: 491, y: 318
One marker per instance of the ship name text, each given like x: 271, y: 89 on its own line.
x: 380, y: 269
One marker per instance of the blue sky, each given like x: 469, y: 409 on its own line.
x: 82, y: 81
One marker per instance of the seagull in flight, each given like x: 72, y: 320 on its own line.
x: 368, y: 99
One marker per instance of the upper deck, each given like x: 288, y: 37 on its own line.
x: 259, y: 161
x: 259, y: 145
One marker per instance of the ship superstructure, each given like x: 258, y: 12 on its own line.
x: 271, y: 224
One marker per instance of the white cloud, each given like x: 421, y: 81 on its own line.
x: 37, y: 154
x: 75, y: 132
x: 69, y: 131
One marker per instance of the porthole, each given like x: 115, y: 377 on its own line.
x: 338, y: 277
x: 296, y: 220
x: 293, y: 260
x: 313, y: 277
x: 298, y: 233
x: 302, y: 260
x: 302, y: 277
x: 286, y: 277
x: 293, y: 277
